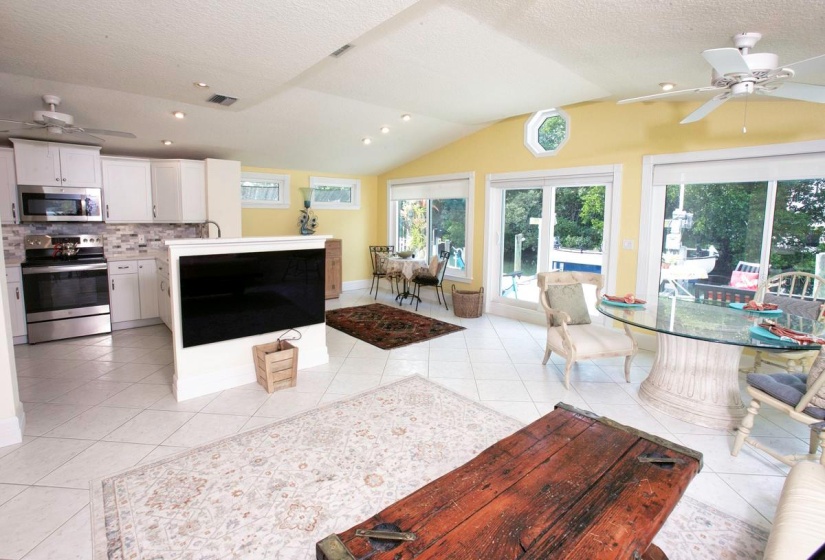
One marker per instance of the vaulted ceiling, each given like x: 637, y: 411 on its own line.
x: 455, y: 66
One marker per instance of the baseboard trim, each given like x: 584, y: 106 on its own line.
x: 227, y: 378
x: 134, y: 324
x: 11, y: 429
x: 355, y: 285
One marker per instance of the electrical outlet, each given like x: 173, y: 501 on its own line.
x: 141, y: 240
x: 627, y: 244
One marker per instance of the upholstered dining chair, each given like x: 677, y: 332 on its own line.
x: 797, y: 293
x: 434, y: 278
x: 801, y: 396
x: 378, y: 257
x: 570, y: 332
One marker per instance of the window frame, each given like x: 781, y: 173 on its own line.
x: 779, y: 162
x: 531, y: 131
x: 283, y: 190
x: 392, y: 218
x: 354, y: 184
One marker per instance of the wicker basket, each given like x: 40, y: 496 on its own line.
x: 276, y: 365
x: 468, y: 304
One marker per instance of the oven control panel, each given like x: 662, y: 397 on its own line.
x: 51, y: 241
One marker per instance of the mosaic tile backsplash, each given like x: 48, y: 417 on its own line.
x: 119, y: 238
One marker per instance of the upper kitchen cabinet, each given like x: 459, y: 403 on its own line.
x: 127, y: 190
x: 8, y: 187
x: 51, y: 164
x: 179, y: 191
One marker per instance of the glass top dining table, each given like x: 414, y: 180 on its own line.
x: 695, y: 373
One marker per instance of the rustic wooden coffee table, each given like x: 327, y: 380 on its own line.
x: 569, y: 485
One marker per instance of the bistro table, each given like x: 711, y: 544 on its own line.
x: 407, y: 267
x: 695, y: 373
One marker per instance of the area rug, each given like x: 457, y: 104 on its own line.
x: 274, y: 491
x: 387, y: 327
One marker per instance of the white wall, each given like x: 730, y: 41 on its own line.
x: 12, y: 418
x: 223, y: 196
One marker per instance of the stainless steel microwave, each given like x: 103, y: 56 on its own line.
x: 60, y: 204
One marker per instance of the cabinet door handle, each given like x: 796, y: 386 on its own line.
x: 113, y: 284
x: 64, y: 179
x: 154, y: 211
x: 123, y: 267
x: 14, y: 211
x: 162, y: 289
x: 17, y: 293
x: 57, y: 179
x: 107, y: 210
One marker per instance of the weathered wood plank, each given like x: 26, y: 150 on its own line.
x: 446, y: 497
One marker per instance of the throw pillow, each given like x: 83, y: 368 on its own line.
x: 570, y: 299
x: 816, y: 370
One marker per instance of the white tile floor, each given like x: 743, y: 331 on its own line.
x: 98, y: 405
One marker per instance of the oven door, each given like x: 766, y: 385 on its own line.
x: 65, y: 291
x: 59, y: 204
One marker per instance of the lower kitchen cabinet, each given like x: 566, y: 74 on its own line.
x: 17, y: 310
x: 164, y: 293
x: 132, y: 295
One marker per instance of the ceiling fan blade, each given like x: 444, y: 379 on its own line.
x: 727, y: 61
x: 16, y: 122
x: 668, y: 94
x: 815, y: 64
x: 110, y: 132
x: 802, y: 92
x: 51, y: 121
x: 702, y: 111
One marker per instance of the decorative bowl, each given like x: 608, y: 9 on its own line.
x: 405, y: 254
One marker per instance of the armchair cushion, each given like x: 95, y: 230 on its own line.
x: 570, y: 299
x: 794, y: 306
x: 786, y: 387
x: 591, y: 341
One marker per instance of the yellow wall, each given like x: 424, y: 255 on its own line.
x: 356, y: 228
x: 605, y: 133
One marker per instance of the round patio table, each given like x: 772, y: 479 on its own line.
x: 695, y: 373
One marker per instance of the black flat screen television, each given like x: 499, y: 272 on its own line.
x: 224, y: 297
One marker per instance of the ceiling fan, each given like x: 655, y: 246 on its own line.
x: 60, y: 123
x: 737, y: 72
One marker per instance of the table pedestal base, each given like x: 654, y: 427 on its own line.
x: 696, y: 381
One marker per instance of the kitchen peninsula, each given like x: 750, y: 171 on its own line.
x: 228, y: 295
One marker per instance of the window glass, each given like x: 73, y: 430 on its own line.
x: 546, y: 132
x: 429, y: 226
x: 335, y: 193
x: 265, y: 190
x: 798, y: 227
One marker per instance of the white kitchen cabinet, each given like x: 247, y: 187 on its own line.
x: 52, y: 164
x: 8, y: 187
x: 179, y: 191
x: 147, y: 286
x: 127, y: 190
x: 164, y: 293
x: 124, y: 291
x: 17, y: 310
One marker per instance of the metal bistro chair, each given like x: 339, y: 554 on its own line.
x: 796, y: 293
x: 378, y: 258
x: 435, y: 280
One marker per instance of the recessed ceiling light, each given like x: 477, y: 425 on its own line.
x: 405, y: 117
x: 167, y: 142
x: 366, y: 141
x: 667, y: 86
x: 385, y: 129
x: 201, y: 84
x: 179, y: 114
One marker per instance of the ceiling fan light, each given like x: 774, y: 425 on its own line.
x: 667, y: 86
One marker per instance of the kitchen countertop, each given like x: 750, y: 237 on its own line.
x: 134, y: 256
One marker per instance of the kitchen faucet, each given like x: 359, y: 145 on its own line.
x: 207, y: 222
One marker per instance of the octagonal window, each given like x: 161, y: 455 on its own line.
x: 546, y: 132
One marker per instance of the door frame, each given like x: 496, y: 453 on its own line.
x: 495, y: 183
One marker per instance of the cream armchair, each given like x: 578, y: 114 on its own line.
x: 575, y: 338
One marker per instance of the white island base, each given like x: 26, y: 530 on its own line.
x: 695, y: 381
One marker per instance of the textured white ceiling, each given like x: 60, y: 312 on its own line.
x: 455, y: 65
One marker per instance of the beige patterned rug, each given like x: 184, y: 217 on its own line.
x: 274, y: 491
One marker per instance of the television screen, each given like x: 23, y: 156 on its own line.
x: 224, y: 297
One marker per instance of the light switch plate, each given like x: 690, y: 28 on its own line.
x: 627, y: 244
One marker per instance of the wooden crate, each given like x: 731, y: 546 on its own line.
x: 276, y: 365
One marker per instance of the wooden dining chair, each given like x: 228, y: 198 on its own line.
x: 570, y: 332
x: 428, y: 278
x: 796, y: 293
x: 798, y: 395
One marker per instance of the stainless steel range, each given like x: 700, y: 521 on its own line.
x: 65, y: 284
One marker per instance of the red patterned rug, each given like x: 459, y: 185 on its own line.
x: 387, y: 327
